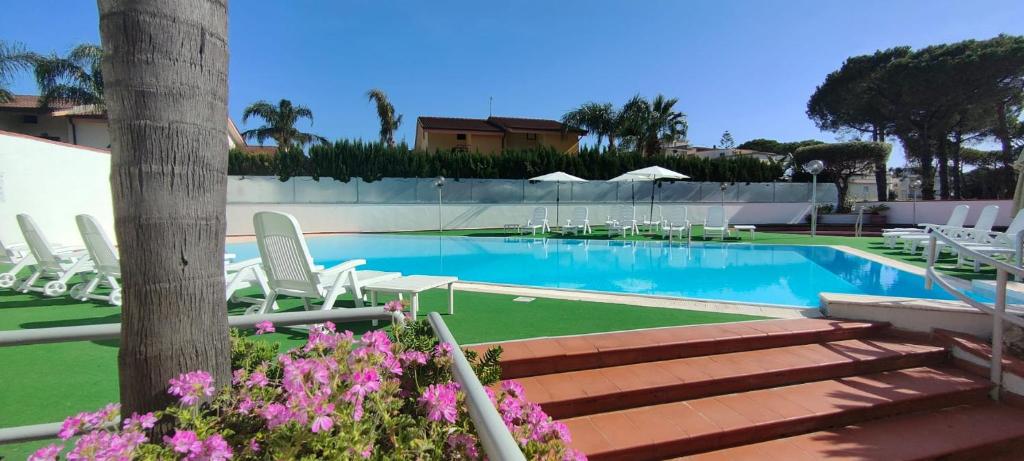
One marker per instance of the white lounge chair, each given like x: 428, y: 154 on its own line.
x: 654, y: 221
x: 957, y: 218
x: 986, y: 220
x: 240, y: 275
x: 17, y: 256
x: 716, y: 224
x: 678, y: 223
x: 1005, y: 244
x: 51, y: 262
x: 106, y: 266
x: 624, y: 223
x: 579, y: 222
x: 290, y: 270
x: 538, y: 221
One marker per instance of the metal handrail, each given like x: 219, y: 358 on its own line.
x: 997, y: 310
x: 494, y: 435
x: 113, y: 331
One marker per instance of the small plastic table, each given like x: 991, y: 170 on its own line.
x: 413, y: 285
x: 746, y: 227
x: 514, y: 228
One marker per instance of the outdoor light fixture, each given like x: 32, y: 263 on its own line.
x: 439, y: 184
x: 814, y: 167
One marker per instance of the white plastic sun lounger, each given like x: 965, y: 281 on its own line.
x: 961, y: 234
x: 957, y: 218
x: 654, y: 221
x: 538, y: 221
x: 16, y: 256
x: 579, y: 222
x: 716, y: 224
x: 1005, y: 244
x: 676, y: 224
x: 51, y: 263
x: 290, y: 270
x: 624, y: 223
x: 106, y: 265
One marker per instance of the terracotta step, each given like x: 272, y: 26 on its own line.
x: 571, y: 353
x: 713, y: 423
x: 597, y: 390
x: 984, y: 431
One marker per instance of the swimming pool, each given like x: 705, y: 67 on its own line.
x: 763, y: 274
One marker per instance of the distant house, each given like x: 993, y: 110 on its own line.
x: 80, y: 125
x: 494, y: 134
x: 683, y: 149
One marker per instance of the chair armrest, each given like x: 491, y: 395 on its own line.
x: 347, y: 265
x: 239, y: 265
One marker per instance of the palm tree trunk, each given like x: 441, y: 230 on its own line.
x: 165, y: 64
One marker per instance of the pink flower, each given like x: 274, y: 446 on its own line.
x: 276, y: 415
x: 70, y: 427
x: 513, y: 388
x: 443, y: 350
x: 184, y: 442
x: 363, y: 382
x: 464, y: 443
x: 146, y: 421
x: 215, y: 448
x: 410, y: 357
x: 573, y: 454
x: 322, y: 423
x: 254, y: 445
x: 264, y: 327
x: 189, y: 387
x: 377, y: 341
x: 47, y: 453
x: 440, y: 401
x: 393, y: 306
x: 257, y: 379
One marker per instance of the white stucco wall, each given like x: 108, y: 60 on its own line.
x: 53, y: 182
x: 938, y: 211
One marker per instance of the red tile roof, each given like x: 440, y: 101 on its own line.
x: 29, y: 102
x: 494, y: 124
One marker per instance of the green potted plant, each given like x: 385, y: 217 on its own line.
x: 877, y: 213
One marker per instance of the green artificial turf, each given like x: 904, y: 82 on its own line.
x: 45, y: 383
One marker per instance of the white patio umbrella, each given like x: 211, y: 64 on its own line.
x: 652, y: 174
x: 558, y: 178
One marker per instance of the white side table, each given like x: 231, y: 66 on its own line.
x: 413, y: 285
x: 746, y: 227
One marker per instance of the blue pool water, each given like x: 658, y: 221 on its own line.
x: 763, y: 274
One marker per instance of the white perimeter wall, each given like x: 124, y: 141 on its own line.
x: 53, y: 182
x: 938, y: 212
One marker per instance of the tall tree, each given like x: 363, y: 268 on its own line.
x: 279, y: 124
x: 389, y: 121
x: 849, y: 100
x: 166, y: 63
x: 647, y: 125
x: 75, y: 79
x: 843, y: 161
x: 726, y: 142
x: 601, y: 119
x: 13, y: 58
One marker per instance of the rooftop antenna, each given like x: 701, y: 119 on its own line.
x: 490, y: 105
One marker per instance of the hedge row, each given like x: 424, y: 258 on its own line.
x: 345, y: 159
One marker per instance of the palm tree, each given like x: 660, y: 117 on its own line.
x: 167, y: 70
x: 13, y: 58
x: 597, y: 118
x: 647, y: 125
x: 75, y: 79
x: 389, y: 122
x: 279, y: 124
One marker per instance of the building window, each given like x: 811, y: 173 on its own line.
x: 531, y: 136
x: 30, y: 119
x: 460, y: 137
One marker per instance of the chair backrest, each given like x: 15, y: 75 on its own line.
x: 580, y: 215
x: 627, y: 214
x: 1016, y: 225
x: 987, y: 218
x: 8, y: 254
x: 40, y: 248
x: 679, y: 217
x: 716, y: 216
x: 540, y: 214
x: 101, y: 250
x: 285, y: 256
x: 958, y: 217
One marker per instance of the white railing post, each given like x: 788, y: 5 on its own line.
x: 996, y: 368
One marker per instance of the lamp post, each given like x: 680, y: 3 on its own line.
x: 915, y: 187
x: 439, y: 184
x: 814, y: 167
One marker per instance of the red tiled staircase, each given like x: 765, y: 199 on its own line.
x: 780, y: 389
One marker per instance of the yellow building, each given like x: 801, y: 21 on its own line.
x: 494, y: 134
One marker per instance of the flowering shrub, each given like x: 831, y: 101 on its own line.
x: 337, y: 397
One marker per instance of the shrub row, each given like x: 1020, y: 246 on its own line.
x: 346, y: 159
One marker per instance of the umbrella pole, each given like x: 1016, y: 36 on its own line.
x: 650, y: 217
x: 558, y: 198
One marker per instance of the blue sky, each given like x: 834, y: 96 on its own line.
x: 743, y: 66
